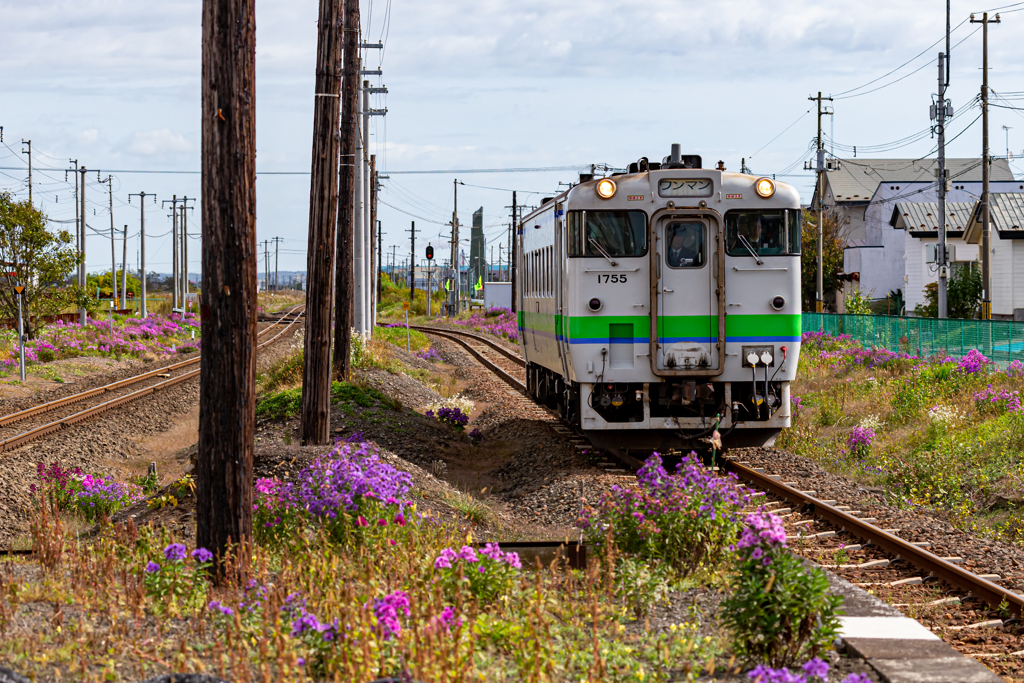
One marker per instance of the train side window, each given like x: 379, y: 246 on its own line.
x: 766, y: 233
x: 685, y: 245
x: 599, y: 234
x: 575, y: 243
x: 793, y: 224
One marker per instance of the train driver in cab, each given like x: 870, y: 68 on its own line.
x: 685, y: 247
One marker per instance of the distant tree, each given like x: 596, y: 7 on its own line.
x: 832, y: 255
x: 43, y: 261
x: 102, y: 280
x: 963, y: 293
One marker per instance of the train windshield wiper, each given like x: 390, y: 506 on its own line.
x: 603, y: 252
x: 745, y: 243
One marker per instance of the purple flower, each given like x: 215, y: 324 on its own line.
x: 175, y: 552
x: 152, y: 567
x: 860, y: 436
x: 202, y: 555
x: 388, y: 610
x: 468, y: 554
x: 223, y: 609
x: 816, y: 668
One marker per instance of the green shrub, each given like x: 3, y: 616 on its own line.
x: 641, y: 585
x: 779, y: 611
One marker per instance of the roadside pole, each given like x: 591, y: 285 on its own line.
x: 21, y: 332
x: 406, y: 307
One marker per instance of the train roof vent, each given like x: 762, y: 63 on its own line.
x: 546, y: 200
x: 677, y: 160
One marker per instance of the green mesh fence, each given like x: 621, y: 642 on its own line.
x: 1000, y: 340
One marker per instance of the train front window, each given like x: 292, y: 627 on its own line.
x: 764, y: 233
x: 685, y: 245
x: 607, y: 233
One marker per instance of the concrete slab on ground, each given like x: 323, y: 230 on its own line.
x: 956, y: 669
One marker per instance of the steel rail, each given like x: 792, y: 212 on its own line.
x: 953, y: 575
x: 57, y: 425
x: 515, y: 358
x: 11, y: 418
x: 486, y: 362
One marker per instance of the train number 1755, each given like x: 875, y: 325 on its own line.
x: 611, y: 278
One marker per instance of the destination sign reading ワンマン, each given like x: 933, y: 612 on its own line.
x: 689, y: 187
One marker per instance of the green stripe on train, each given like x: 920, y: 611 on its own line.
x: 595, y: 327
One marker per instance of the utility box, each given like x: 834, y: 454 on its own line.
x: 498, y: 295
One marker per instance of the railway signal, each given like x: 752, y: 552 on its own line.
x: 430, y: 253
x: 21, y: 331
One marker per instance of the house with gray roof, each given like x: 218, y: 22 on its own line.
x: 1006, y: 216
x: 864, y: 194
x: 919, y: 223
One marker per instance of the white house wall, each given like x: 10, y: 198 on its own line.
x: 882, y: 270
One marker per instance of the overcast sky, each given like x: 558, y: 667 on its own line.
x: 487, y: 84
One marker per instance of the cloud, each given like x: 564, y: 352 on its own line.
x: 88, y: 136
x: 158, y: 142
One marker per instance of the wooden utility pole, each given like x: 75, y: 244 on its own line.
x: 986, y: 231
x: 343, y: 283
x: 227, y: 390
x: 323, y: 216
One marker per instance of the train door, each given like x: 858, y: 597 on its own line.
x: 685, y: 273
x: 560, y: 266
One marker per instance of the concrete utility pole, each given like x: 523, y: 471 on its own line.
x: 986, y: 234
x: 124, y: 269
x: 266, y: 264
x: 412, y: 259
x: 184, y: 248
x: 113, y: 242
x: 82, y: 313
x: 277, y: 244
x: 514, y: 247
x: 29, y: 153
x: 359, y: 238
x: 380, y: 268
x: 454, y: 304
x: 372, y: 284
x: 174, y: 250
x: 941, y: 111
x: 142, y: 247
x: 227, y: 384
x: 344, y: 271
x: 819, y: 296
x: 323, y: 227
x: 367, y: 225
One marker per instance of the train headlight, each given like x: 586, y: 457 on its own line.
x: 764, y: 187
x: 605, y: 188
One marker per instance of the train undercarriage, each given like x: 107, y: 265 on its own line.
x: 680, y: 414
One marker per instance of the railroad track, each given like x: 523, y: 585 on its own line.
x: 165, y: 373
x: 916, y: 563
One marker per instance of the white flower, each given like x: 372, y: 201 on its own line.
x: 872, y: 422
x: 944, y: 414
x: 463, y: 404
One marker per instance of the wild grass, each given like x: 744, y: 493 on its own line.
x: 934, y: 444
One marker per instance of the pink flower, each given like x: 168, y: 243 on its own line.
x: 361, y: 521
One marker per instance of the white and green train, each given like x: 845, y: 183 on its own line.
x: 657, y: 304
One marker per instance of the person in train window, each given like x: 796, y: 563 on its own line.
x: 772, y: 237
x: 686, y: 245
